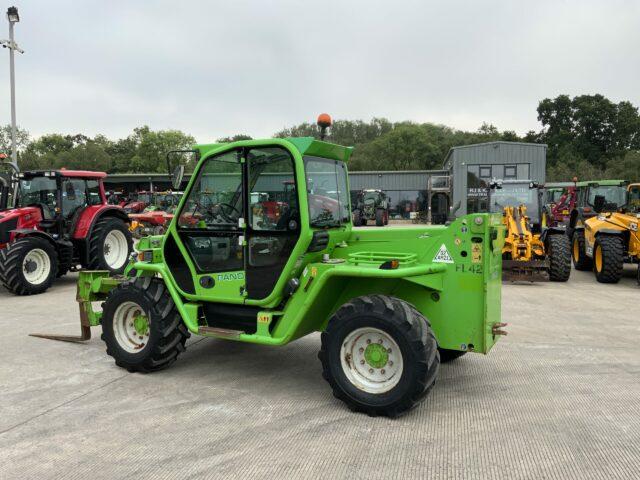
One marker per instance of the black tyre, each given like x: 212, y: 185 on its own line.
x: 28, y: 266
x: 357, y: 218
x: 110, y: 245
x: 141, y: 326
x: 608, y: 259
x: 449, y: 355
x: 559, y: 253
x: 379, y: 355
x: 379, y: 217
x: 579, y: 253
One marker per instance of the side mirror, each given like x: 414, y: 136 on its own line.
x: 177, y: 176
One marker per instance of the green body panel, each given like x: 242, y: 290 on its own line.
x: 451, y: 274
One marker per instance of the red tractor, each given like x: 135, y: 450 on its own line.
x: 55, y: 221
x: 138, y: 201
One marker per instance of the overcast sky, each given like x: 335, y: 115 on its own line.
x: 217, y: 68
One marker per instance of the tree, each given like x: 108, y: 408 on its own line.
x: 22, y: 139
x: 234, y: 138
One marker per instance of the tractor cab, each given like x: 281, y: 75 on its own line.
x: 58, y: 196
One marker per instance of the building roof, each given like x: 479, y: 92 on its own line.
x: 484, y: 144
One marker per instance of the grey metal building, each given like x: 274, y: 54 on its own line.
x: 472, y: 167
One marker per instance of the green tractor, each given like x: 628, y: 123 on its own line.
x: 391, y: 305
x: 371, y: 204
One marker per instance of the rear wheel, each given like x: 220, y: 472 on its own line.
x: 558, y: 247
x: 141, y: 326
x: 28, y: 266
x: 110, y: 245
x: 579, y: 253
x: 379, y: 355
x: 608, y: 259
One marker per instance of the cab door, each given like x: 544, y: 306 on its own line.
x: 273, y: 217
x: 211, y: 229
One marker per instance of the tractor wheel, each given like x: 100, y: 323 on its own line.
x: 379, y: 217
x: 28, y: 266
x: 559, y: 253
x: 141, y: 326
x: 110, y: 245
x: 579, y: 253
x: 386, y: 217
x: 449, y: 355
x: 357, y: 218
x: 608, y: 259
x: 379, y: 355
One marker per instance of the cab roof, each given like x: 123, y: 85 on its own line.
x: 63, y: 173
x: 305, y: 145
x: 605, y: 183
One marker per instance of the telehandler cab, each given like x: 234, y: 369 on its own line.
x: 391, y: 304
x: 609, y: 240
x: 532, y: 249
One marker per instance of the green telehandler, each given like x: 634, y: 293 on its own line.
x: 391, y: 304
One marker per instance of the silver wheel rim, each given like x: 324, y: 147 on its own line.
x: 116, y: 249
x: 371, y: 360
x: 36, y: 266
x: 131, y: 327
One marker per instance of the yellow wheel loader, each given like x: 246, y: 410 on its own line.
x: 532, y: 251
x: 611, y: 238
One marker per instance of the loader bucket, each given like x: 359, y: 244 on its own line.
x: 521, y: 271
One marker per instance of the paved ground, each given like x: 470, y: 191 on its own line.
x: 557, y: 399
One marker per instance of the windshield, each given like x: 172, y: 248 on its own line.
x: 554, y: 195
x: 514, y: 195
x: 611, y: 193
x: 39, y: 191
x: 634, y: 197
x: 371, y: 196
x: 143, y: 197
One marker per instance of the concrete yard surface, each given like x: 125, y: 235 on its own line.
x: 559, y: 398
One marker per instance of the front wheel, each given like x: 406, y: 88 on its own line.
x: 28, y: 266
x: 558, y: 251
x: 379, y: 355
x: 608, y: 259
x: 380, y: 217
x: 110, y: 245
x: 141, y: 326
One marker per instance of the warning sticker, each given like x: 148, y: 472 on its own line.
x: 476, y: 253
x: 443, y: 255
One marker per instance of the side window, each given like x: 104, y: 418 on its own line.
x: 74, y: 196
x: 273, y: 200
x: 327, y: 193
x: 93, y: 192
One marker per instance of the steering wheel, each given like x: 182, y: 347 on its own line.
x: 227, y: 216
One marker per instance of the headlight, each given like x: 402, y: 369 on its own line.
x: 633, y: 227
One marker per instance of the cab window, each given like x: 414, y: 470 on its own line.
x: 327, y: 192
